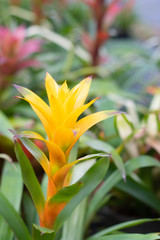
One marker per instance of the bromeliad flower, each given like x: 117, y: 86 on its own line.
x: 15, y: 52
x: 63, y: 127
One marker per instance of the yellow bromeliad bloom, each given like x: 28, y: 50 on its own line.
x: 63, y: 128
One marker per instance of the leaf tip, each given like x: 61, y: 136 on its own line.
x: 16, y: 86
x: 124, y: 177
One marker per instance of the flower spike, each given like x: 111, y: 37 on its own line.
x: 61, y: 121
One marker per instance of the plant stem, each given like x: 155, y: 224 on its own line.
x: 99, y: 14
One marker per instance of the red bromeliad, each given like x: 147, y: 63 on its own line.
x: 104, y: 15
x: 15, y: 52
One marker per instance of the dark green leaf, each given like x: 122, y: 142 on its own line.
x: 140, y: 192
x: 120, y: 226
x: 41, y: 233
x: 115, y: 177
x: 13, y: 219
x: 30, y: 179
x: 132, y: 236
x: 29, y: 211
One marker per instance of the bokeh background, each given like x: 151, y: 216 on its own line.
x: 115, y: 41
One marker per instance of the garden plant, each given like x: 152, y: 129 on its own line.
x: 79, y: 159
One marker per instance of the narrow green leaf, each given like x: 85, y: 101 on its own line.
x: 59, y: 40
x: 101, y: 203
x: 120, y: 226
x: 73, y: 154
x: 35, y: 151
x: 13, y: 219
x: 107, y: 148
x: 12, y: 184
x: 30, y: 179
x: 140, y: 192
x: 29, y: 211
x: 66, y: 193
x: 41, y: 233
x: 11, y: 187
x: 93, y: 156
x: 90, y: 181
x: 6, y: 157
x: 115, y: 177
x: 4, y: 126
x: 131, y: 236
x: 44, y: 185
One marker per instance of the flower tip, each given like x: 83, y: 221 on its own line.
x: 11, y: 130
x: 111, y: 113
x: 47, y: 74
x: 91, y: 76
x: 88, y: 79
x: 117, y: 112
x: 16, y: 86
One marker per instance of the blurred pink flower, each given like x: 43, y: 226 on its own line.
x: 15, y: 52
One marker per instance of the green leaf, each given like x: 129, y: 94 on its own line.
x: 13, y: 219
x: 105, y: 147
x: 75, y: 225
x: 41, y: 233
x: 73, y: 154
x: 140, y: 192
x: 59, y: 40
x: 35, y: 151
x: 94, y: 156
x: 115, y: 177
x: 30, y: 179
x: 90, y: 181
x: 101, y: 203
x: 131, y: 236
x: 29, y: 211
x: 44, y: 184
x: 6, y: 157
x: 66, y: 193
x: 5, y: 125
x: 120, y: 226
x: 11, y: 187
